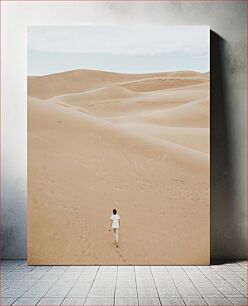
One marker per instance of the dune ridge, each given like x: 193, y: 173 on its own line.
x: 81, y: 80
x: 137, y: 142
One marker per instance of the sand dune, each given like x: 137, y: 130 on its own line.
x: 119, y: 101
x: 81, y: 80
x: 95, y: 143
x: 113, y: 167
x: 76, y: 81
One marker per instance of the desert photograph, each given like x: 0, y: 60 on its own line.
x: 118, y: 119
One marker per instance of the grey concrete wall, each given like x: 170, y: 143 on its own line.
x: 227, y: 20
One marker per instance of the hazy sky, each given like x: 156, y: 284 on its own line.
x: 130, y: 49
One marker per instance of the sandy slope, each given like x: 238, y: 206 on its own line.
x: 116, y: 101
x: 195, y: 138
x: 97, y: 143
x: 192, y: 114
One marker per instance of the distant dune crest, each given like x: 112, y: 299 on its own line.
x: 81, y: 80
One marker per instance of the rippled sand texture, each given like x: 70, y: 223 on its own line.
x: 138, y: 143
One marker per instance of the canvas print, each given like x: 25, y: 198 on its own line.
x: 118, y: 145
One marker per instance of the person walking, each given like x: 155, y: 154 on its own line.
x: 115, y: 225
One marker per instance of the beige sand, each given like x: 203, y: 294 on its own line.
x: 138, y: 143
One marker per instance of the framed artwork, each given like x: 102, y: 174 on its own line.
x: 118, y: 145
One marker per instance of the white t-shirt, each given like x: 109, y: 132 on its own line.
x: 115, y: 219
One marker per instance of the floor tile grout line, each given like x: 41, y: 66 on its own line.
x: 193, y: 284
x: 155, y: 285
x: 14, y: 301
x: 239, y: 279
x: 33, y: 267
x: 44, y: 266
x: 210, y: 282
x: 204, y: 298
x: 44, y: 296
x: 230, y: 283
x: 231, y: 271
x: 38, y: 301
x: 33, y: 285
x: 21, y: 297
x: 220, y: 266
x: 72, y: 285
x: 240, y: 276
x: 136, y: 284
x: 242, y: 265
x: 27, y: 290
x: 38, y: 278
x: 232, y: 302
x: 30, y: 284
x: 87, y: 296
x: 115, y: 284
x: 239, y: 264
x: 174, y: 283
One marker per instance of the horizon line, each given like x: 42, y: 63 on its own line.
x: 115, y: 72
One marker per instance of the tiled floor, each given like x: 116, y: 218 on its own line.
x: 123, y: 285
